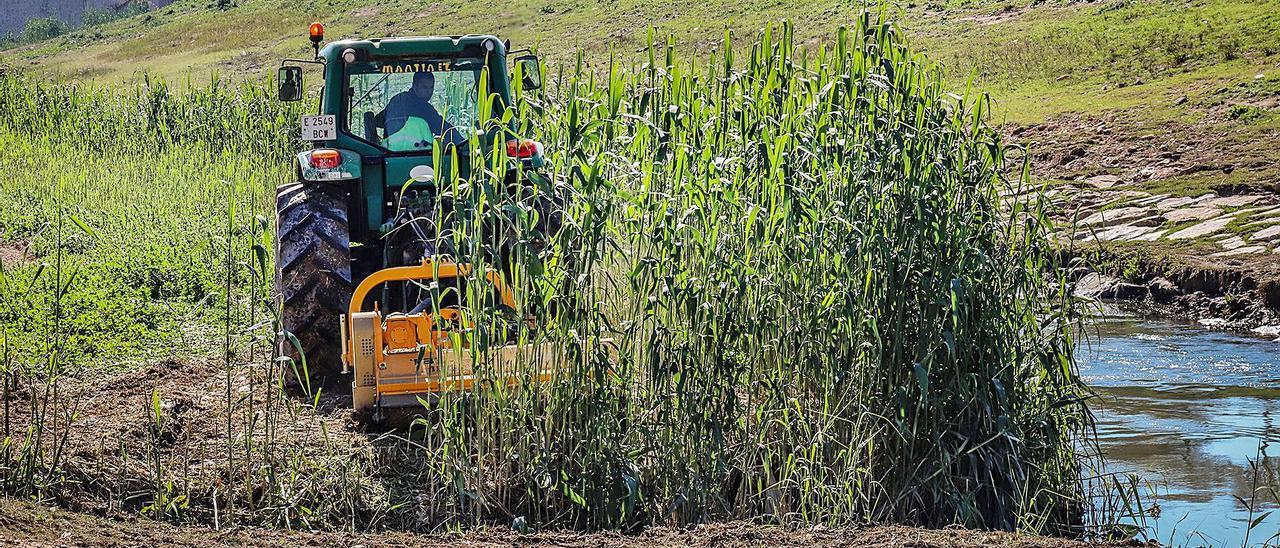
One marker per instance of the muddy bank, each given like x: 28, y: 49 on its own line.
x: 1220, y: 295
x: 26, y: 524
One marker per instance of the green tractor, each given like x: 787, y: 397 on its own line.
x: 359, y: 261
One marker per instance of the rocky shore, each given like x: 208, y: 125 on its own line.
x: 1171, y: 205
x: 1218, y: 299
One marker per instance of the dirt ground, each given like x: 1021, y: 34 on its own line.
x: 13, y: 254
x: 106, y: 458
x: 26, y: 524
x: 113, y: 413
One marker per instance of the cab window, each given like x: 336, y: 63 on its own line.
x: 405, y: 105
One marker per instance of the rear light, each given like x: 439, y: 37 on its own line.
x: 524, y: 148
x: 325, y: 158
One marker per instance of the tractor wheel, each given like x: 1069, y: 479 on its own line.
x: 313, y: 278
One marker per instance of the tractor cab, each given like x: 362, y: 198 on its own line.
x: 397, y: 118
x: 390, y: 102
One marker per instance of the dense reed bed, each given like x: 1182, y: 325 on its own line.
x: 785, y: 290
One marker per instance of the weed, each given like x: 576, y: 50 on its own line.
x: 1247, y: 114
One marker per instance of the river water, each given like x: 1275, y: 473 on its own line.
x: 1188, y: 409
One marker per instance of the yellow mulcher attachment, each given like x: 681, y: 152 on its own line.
x: 402, y: 357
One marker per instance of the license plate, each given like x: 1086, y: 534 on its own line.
x: 319, y: 128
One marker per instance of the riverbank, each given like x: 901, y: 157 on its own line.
x: 1175, y: 218
x: 1231, y: 295
x: 26, y: 524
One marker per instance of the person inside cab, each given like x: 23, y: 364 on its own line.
x: 412, y: 122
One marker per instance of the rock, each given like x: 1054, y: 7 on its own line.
x: 1214, y: 323
x: 1102, y: 181
x: 1100, y: 286
x: 1266, y: 213
x: 1192, y: 214
x: 1122, y: 233
x: 1163, y: 290
x: 1125, y: 290
x: 1150, y: 200
x: 1269, y: 233
x: 1120, y: 215
x: 1093, y: 285
x: 1174, y: 203
x: 1268, y: 330
x: 1232, y: 242
x: 1128, y: 194
x: 1242, y: 251
x: 1203, y: 229
x: 1154, y: 220
x: 1240, y: 200
x: 1151, y: 237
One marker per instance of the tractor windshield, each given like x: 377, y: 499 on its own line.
x: 405, y: 105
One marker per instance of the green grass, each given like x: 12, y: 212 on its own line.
x: 819, y: 310
x: 1115, y: 43
x: 188, y: 38
x: 142, y: 171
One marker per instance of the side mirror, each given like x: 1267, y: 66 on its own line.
x: 531, y: 71
x: 290, y: 84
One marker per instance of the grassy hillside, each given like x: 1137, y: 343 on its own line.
x: 1043, y: 58
x: 1172, y: 99
x: 188, y: 37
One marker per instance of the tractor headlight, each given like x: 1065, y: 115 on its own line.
x: 349, y: 55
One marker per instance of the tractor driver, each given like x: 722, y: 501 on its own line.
x: 412, y: 122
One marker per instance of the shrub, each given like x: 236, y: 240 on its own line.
x: 93, y: 17
x: 42, y: 28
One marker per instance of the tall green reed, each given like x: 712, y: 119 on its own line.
x: 786, y: 289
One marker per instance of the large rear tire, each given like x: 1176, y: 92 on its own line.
x: 313, y: 277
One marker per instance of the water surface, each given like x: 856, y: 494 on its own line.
x: 1188, y: 409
